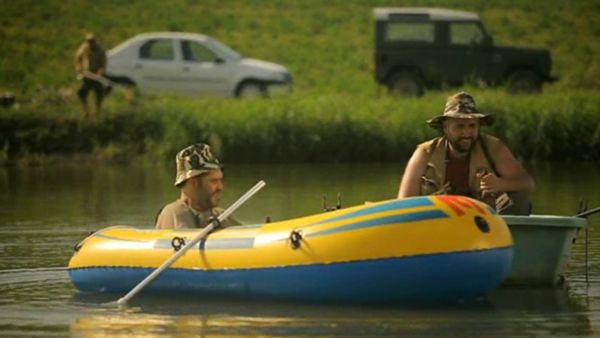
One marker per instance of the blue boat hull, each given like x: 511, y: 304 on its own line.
x: 447, y: 277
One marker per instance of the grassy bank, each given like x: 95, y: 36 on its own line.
x: 327, y: 45
x: 336, y: 113
x: 328, y: 128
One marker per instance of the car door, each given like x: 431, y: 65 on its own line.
x: 157, y: 66
x: 467, y: 55
x: 203, y: 71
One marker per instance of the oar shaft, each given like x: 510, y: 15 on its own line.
x: 193, y: 242
x: 163, y: 266
x: 98, y: 78
x: 241, y: 200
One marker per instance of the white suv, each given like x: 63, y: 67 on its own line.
x: 193, y: 64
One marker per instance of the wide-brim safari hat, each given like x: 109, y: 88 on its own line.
x: 461, y: 106
x: 194, y: 160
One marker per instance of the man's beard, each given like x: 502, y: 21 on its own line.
x: 214, y: 200
x: 210, y: 201
x: 458, y: 146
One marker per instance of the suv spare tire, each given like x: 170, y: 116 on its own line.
x: 406, y: 83
x: 524, y: 81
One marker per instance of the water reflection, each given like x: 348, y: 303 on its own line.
x: 546, y: 312
x: 45, y: 211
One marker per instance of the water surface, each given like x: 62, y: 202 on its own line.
x: 45, y: 211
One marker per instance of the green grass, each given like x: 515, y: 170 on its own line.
x: 327, y: 45
x: 336, y: 113
x: 327, y: 128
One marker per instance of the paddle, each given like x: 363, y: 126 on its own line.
x: 98, y: 78
x: 127, y: 89
x: 193, y: 242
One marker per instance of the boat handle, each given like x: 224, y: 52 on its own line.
x: 295, y: 239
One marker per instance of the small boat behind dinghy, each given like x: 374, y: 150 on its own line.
x: 421, y: 249
x: 542, y: 247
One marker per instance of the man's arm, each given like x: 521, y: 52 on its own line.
x: 513, y: 177
x: 415, y: 169
x: 102, y: 69
x: 79, y: 59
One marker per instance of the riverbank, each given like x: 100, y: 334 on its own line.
x: 326, y: 45
x: 327, y: 128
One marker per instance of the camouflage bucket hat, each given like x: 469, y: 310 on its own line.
x: 461, y: 106
x: 194, y: 160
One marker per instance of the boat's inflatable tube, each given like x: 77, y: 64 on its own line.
x: 444, y: 248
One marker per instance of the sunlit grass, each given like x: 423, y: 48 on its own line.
x: 325, y: 128
x: 327, y: 45
x: 336, y: 112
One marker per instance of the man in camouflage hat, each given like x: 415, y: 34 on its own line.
x: 200, y: 179
x: 464, y: 162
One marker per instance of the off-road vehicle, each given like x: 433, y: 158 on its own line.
x: 420, y: 48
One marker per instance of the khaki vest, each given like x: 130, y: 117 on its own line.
x: 434, y: 180
x: 90, y: 59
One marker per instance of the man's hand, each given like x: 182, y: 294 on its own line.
x: 489, y: 183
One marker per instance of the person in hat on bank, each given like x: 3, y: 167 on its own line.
x: 464, y: 162
x: 90, y: 64
x: 200, y: 179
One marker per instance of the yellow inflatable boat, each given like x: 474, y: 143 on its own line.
x: 442, y: 248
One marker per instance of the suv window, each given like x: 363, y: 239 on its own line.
x: 465, y: 33
x: 194, y: 51
x: 410, y: 32
x: 159, y: 49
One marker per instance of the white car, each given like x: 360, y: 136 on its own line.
x: 193, y: 64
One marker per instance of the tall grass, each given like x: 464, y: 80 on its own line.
x: 327, y: 128
x: 336, y: 113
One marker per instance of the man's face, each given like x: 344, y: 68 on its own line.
x: 461, y: 133
x: 91, y: 43
x: 208, y: 188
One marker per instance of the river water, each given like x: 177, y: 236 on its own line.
x: 45, y: 211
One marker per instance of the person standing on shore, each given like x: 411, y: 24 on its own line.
x: 90, y: 66
x: 200, y: 180
x: 464, y: 162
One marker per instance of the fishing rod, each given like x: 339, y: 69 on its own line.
x: 587, y: 213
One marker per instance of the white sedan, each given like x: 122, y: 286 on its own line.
x: 194, y: 64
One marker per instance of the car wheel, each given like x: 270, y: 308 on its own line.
x: 406, y: 84
x: 251, y: 89
x: 524, y: 81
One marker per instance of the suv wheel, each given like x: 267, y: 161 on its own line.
x: 406, y: 84
x: 251, y: 89
x: 524, y: 81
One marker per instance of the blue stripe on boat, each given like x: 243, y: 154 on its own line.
x: 101, y: 235
x: 235, y: 227
x: 212, y: 244
x: 426, y: 278
x: 393, y: 205
x: 227, y: 243
x: 395, y: 219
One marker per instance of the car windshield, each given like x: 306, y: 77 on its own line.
x: 223, y: 49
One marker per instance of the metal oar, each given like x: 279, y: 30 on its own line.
x: 193, y: 242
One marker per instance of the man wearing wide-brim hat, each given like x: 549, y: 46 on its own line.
x: 200, y: 179
x: 464, y: 162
